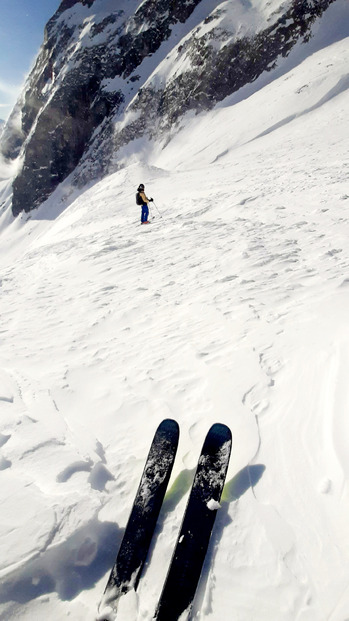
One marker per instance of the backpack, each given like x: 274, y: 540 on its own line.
x: 139, y: 199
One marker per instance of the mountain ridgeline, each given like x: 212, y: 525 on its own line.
x: 109, y: 73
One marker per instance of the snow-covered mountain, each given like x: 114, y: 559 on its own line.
x: 231, y: 306
x: 108, y: 75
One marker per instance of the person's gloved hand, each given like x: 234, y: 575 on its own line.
x: 151, y: 200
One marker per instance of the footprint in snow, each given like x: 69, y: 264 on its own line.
x: 4, y: 463
x: 3, y: 439
x: 69, y: 471
x: 99, y: 477
x: 248, y: 199
x: 99, y: 474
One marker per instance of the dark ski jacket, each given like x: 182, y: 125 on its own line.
x: 141, y: 198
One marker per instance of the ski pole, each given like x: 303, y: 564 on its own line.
x: 157, y: 209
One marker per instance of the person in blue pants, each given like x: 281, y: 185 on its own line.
x: 141, y: 199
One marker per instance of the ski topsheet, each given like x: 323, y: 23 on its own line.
x: 187, y: 561
x: 139, y: 530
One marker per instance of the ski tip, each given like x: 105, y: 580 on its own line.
x: 218, y: 436
x: 169, y: 425
x: 220, y: 429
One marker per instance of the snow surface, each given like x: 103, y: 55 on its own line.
x: 232, y: 307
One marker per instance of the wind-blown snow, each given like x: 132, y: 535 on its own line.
x: 232, y: 307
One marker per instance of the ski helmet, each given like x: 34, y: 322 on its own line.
x: 140, y: 187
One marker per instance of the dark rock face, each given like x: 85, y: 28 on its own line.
x: 65, y: 117
x: 90, y: 73
x: 216, y: 74
x: 61, y: 134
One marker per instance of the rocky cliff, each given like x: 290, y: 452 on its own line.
x: 110, y: 72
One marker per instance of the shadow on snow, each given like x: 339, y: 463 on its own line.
x: 73, y: 566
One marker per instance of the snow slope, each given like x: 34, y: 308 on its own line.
x: 231, y: 307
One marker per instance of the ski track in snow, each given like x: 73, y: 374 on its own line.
x: 231, y: 308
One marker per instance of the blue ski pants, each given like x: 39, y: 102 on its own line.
x: 145, y: 213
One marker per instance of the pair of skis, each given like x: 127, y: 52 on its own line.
x: 194, y: 536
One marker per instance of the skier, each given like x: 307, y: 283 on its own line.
x: 142, y: 200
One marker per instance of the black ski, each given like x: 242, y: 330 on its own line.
x: 140, y: 527
x: 187, y: 561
